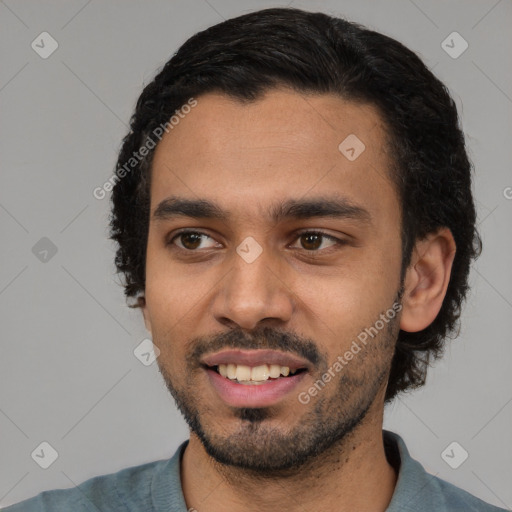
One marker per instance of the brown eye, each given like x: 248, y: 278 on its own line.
x: 190, y: 240
x: 313, y: 240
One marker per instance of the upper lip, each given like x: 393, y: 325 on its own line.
x: 255, y: 358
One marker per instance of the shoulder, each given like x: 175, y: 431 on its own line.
x: 454, y: 498
x: 422, y: 492
x: 128, y: 489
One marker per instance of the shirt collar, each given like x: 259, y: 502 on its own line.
x: 415, y: 488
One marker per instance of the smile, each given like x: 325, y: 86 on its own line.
x: 260, y: 374
x: 254, y: 378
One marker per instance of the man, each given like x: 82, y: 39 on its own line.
x: 294, y: 217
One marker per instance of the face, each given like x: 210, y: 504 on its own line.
x: 272, y: 274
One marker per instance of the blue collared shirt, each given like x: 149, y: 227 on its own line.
x: 156, y: 487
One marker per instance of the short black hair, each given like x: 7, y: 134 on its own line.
x: 246, y: 56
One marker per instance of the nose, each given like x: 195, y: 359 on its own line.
x: 253, y: 292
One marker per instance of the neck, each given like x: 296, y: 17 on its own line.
x: 354, y: 474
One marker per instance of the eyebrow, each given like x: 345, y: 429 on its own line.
x: 173, y: 207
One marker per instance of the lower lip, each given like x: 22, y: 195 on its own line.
x: 253, y: 395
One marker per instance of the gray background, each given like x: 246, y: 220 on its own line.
x: 68, y: 373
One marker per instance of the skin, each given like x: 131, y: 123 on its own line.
x: 247, y: 157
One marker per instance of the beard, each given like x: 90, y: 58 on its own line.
x: 258, y: 444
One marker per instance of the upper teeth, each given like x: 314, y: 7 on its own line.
x: 241, y: 372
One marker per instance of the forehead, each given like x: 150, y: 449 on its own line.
x: 283, y: 145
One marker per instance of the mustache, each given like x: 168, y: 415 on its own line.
x: 260, y: 338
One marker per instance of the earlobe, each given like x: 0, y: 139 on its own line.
x: 426, y: 280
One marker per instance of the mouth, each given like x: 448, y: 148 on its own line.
x: 254, y: 378
x: 256, y: 375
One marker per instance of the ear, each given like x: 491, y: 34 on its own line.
x: 141, y: 302
x: 426, y: 280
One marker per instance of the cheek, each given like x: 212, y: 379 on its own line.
x: 170, y: 300
x: 171, y: 289
x: 339, y: 305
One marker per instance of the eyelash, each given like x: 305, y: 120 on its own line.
x: 337, y: 242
